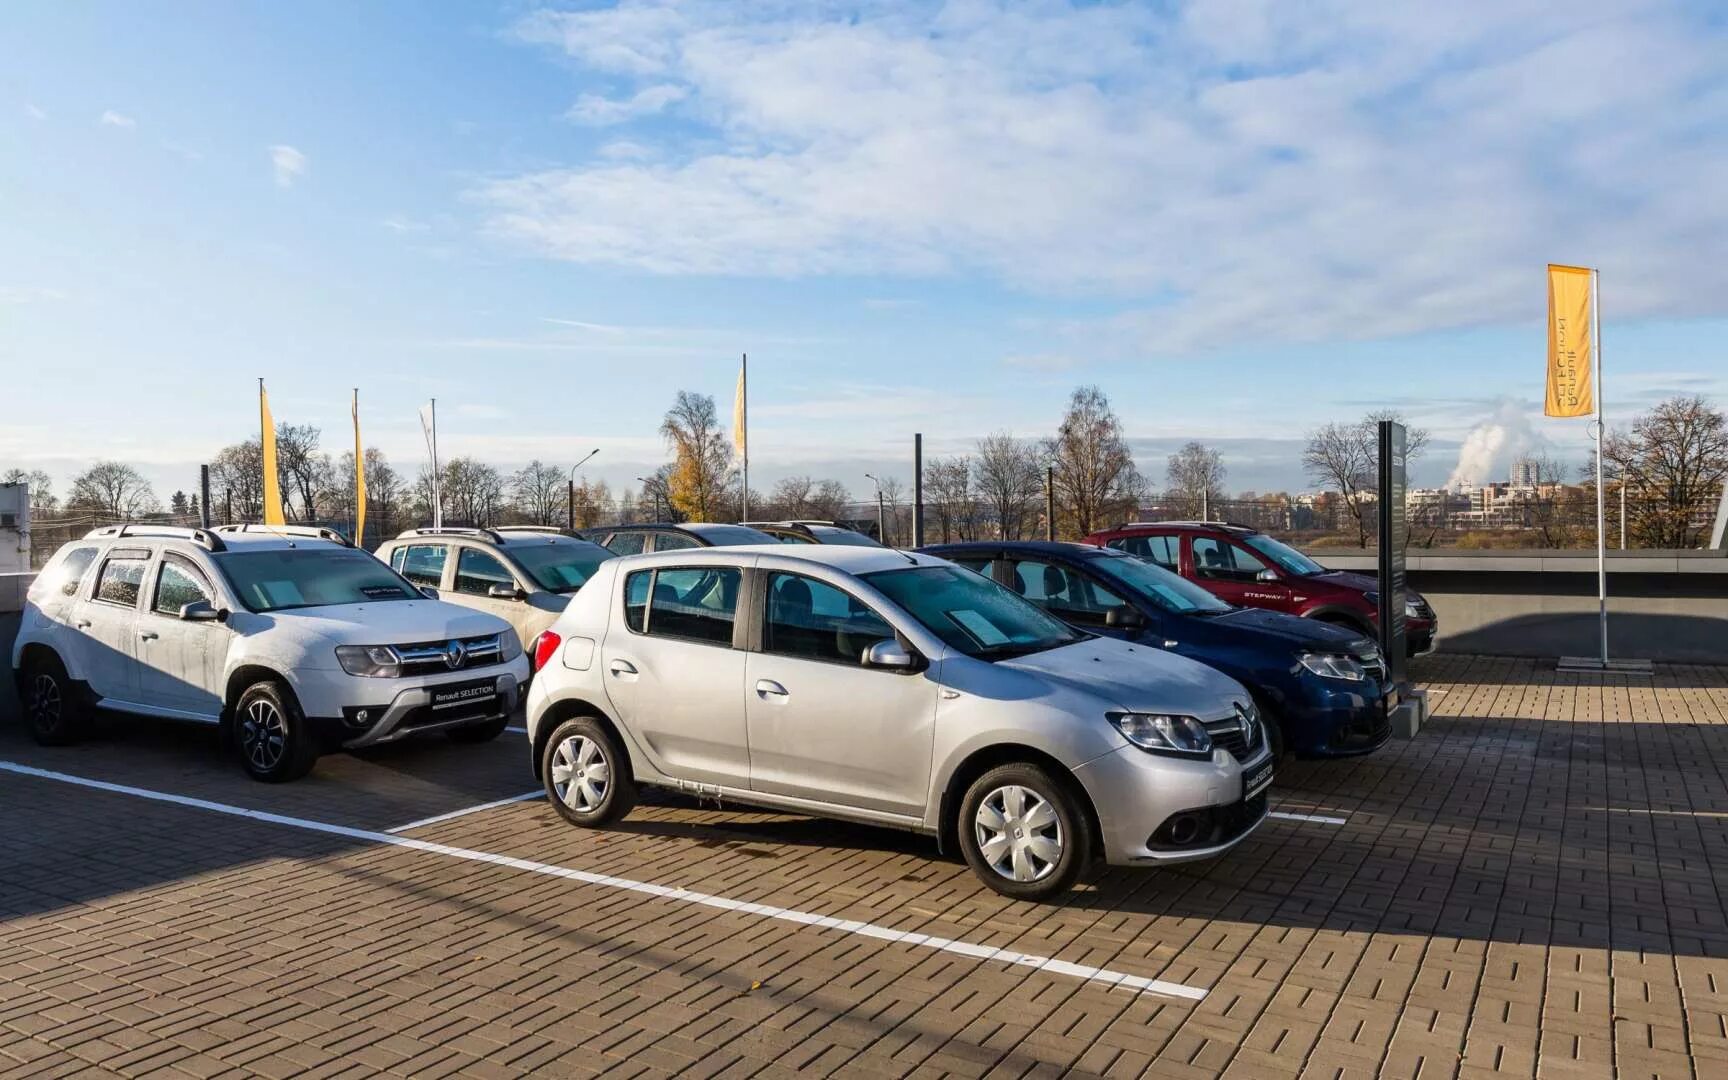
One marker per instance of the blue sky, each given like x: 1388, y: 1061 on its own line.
x: 1241, y: 219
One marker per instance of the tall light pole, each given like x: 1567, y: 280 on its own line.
x: 881, y: 526
x: 570, y: 489
x: 654, y: 486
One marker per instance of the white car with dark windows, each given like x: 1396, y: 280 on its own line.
x: 895, y: 689
x: 291, y: 640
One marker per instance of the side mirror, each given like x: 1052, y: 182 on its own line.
x: 505, y: 592
x: 1123, y: 617
x: 428, y: 592
x: 200, y: 611
x: 889, y: 655
x: 1266, y: 575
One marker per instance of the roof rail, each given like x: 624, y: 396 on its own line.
x: 1191, y: 524
x: 554, y: 530
x: 455, y: 530
x: 312, y: 532
x: 204, y: 538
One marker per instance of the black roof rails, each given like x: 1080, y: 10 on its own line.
x: 455, y: 530
x: 311, y: 532
x: 204, y: 538
x: 545, y: 530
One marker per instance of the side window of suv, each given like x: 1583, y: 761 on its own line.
x: 69, y: 570
x: 669, y: 541
x: 477, y: 572
x: 625, y: 543
x: 178, y: 583
x: 1159, y: 549
x: 692, y: 603
x: 1220, y: 560
x: 122, y: 577
x: 423, y: 564
x: 815, y: 621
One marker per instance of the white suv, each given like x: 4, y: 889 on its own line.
x: 293, y: 641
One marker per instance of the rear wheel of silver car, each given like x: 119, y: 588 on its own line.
x: 53, y: 709
x: 271, y: 734
x: 586, y: 774
x: 1023, y: 832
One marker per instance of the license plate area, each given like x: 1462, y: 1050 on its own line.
x: 477, y: 695
x: 1257, y: 779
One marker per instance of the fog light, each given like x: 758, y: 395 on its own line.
x: 363, y: 716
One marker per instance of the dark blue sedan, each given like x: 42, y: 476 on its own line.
x: 1323, y: 686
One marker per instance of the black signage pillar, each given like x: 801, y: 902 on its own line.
x: 918, y: 490
x: 1393, y: 534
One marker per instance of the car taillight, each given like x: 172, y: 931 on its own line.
x: 544, y: 646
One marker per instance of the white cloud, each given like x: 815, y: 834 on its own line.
x: 110, y: 118
x: 597, y: 111
x: 34, y: 112
x: 288, y: 164
x: 1233, y: 172
x: 396, y: 223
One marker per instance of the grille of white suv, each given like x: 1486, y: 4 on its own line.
x: 457, y: 654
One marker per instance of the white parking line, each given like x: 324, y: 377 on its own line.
x: 524, y: 797
x: 1317, y: 819
x: 663, y: 892
x: 517, y: 728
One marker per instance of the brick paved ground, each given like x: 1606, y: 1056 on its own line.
x: 1535, y: 884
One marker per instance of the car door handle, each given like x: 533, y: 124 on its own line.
x: 82, y: 624
x: 768, y: 688
x: 147, y: 635
x: 623, y: 669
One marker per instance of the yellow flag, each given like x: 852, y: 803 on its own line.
x: 359, y: 478
x: 740, y: 416
x: 272, y: 483
x: 1571, y: 387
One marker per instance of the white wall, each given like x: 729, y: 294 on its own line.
x: 14, y: 528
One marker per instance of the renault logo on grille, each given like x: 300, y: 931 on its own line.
x: 455, y: 655
x: 1246, y: 724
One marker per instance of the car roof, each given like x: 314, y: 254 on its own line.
x: 251, y: 538
x: 1184, y: 526
x: 846, y: 558
x: 1029, y: 547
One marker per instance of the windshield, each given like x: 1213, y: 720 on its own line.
x: 973, y: 614
x: 1169, y: 592
x: 1287, y: 557
x: 560, y: 567
x: 730, y: 535
x: 284, y: 578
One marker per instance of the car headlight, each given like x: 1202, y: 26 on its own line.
x: 1372, y: 597
x: 1334, y: 666
x: 373, y: 661
x: 1164, y: 734
x: 509, y: 646
x: 1411, y: 610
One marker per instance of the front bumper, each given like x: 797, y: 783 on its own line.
x: 1332, y: 718
x: 1137, y: 794
x: 355, y: 712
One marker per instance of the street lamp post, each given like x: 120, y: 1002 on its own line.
x: 654, y: 486
x: 881, y: 524
x: 570, y: 490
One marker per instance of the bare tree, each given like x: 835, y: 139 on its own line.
x: 701, y: 476
x: 1010, y: 480
x: 237, y: 483
x: 113, y: 490
x: 805, y: 497
x: 948, y: 484
x: 473, y: 491
x: 593, y: 501
x: 1345, y: 458
x: 541, y: 493
x: 1095, y: 475
x: 1672, y: 464
x: 305, y: 471
x: 893, y: 498
x: 1195, y: 474
x: 41, y: 485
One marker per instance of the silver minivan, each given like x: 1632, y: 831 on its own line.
x: 895, y: 689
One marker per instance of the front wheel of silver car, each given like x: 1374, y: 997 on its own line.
x: 586, y: 775
x: 1023, y: 832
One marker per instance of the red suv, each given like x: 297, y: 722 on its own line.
x: 1246, y: 567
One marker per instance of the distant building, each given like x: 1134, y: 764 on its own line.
x: 1526, y: 472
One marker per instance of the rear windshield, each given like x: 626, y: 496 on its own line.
x: 833, y: 534
x: 559, y: 567
x: 729, y: 535
x: 285, y: 578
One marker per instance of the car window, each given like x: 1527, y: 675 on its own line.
x: 625, y: 543
x: 67, y: 571
x: 667, y: 541
x: 398, y: 556
x: 423, y: 564
x: 477, y: 572
x: 1162, y: 550
x: 815, y: 621
x: 693, y: 603
x: 122, y: 578
x: 1064, y: 591
x: 977, y: 617
x: 179, y: 583
x: 1220, y: 560
x: 978, y: 564
x: 561, y: 568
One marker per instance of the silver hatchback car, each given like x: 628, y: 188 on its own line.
x: 894, y: 689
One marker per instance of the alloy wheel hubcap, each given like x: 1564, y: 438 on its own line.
x: 581, y: 775
x: 45, y: 702
x: 1018, y: 833
x: 263, y: 734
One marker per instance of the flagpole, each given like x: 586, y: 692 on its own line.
x: 1601, y: 496
x: 437, y: 476
x: 744, y: 384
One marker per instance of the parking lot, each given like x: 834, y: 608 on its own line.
x: 1538, y: 880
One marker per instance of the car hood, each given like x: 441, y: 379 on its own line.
x: 391, y: 622
x: 1274, y: 629
x: 1136, y: 678
x: 1358, y: 582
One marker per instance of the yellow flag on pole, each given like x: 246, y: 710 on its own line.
x: 1571, y: 388
x: 359, y: 478
x: 740, y: 416
x: 267, y: 440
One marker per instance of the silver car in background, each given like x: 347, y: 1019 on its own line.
x: 895, y: 689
